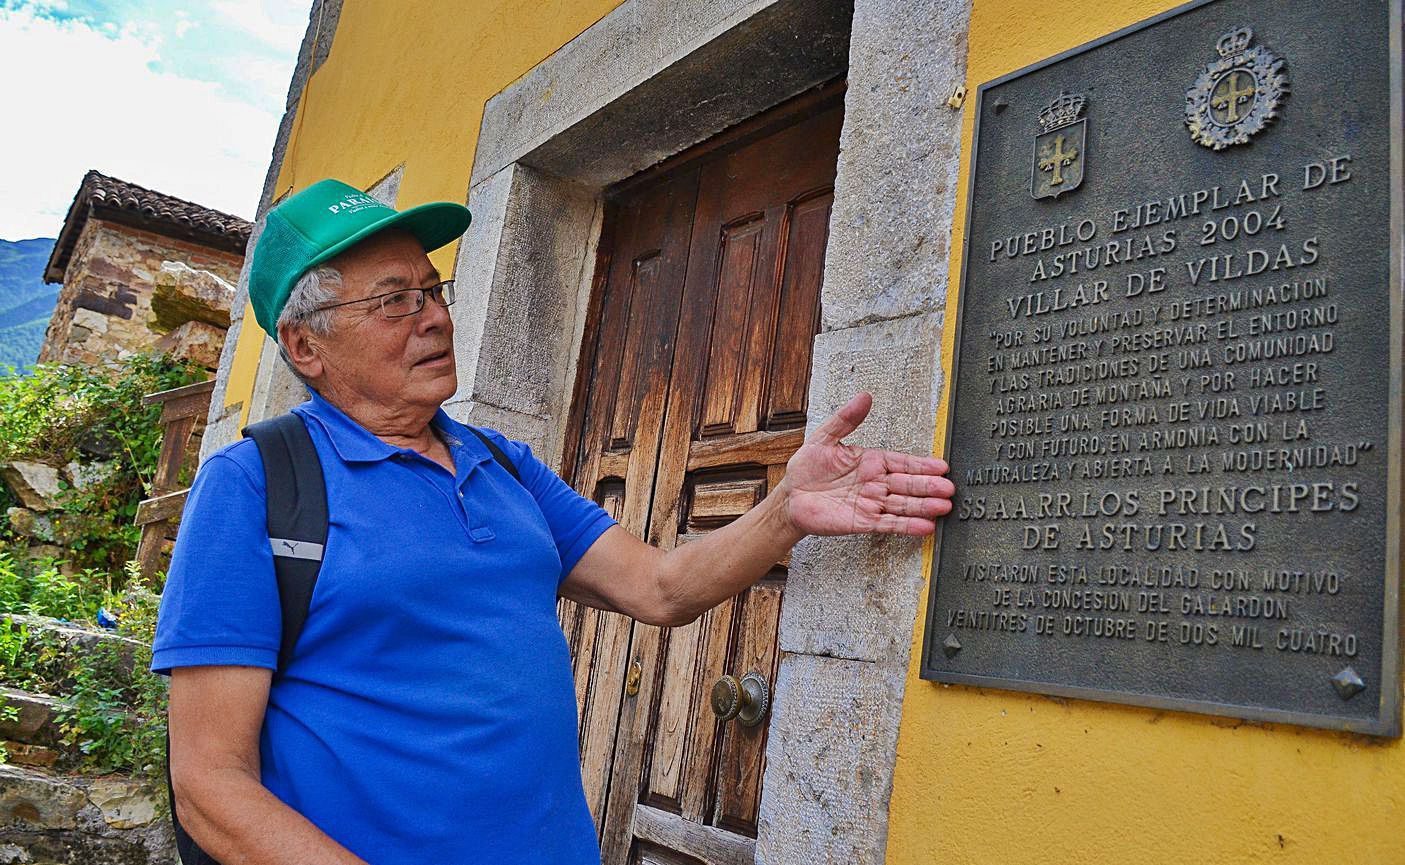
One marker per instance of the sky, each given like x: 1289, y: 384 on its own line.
x: 181, y: 96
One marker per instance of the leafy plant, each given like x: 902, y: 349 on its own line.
x: 30, y: 660
x: 13, y: 585
x: 116, y: 713
x: 42, y: 587
x: 64, y: 413
x: 115, y: 710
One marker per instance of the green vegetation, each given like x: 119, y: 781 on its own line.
x: 115, y: 711
x: 60, y: 414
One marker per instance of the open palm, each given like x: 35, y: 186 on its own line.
x: 840, y: 489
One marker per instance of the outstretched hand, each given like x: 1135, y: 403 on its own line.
x: 839, y: 489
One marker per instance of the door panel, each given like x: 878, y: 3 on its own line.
x: 695, y: 401
x: 624, y: 417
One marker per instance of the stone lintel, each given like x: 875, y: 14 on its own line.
x: 660, y: 75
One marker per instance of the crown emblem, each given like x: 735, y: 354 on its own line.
x: 1238, y: 95
x: 1060, y: 146
x: 1065, y: 109
x: 1234, y: 42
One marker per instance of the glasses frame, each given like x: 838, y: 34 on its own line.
x: 447, y: 285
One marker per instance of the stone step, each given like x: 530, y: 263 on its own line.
x: 37, y: 723
x: 50, y: 817
x: 64, y: 646
x: 34, y: 756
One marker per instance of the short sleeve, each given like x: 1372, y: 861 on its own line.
x: 575, y: 521
x: 220, y: 603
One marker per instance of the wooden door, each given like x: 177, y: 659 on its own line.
x: 691, y: 400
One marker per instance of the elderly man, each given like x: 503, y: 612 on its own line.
x: 427, y: 714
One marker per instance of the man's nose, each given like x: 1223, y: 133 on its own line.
x: 433, y: 316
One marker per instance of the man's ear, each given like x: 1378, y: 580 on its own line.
x: 304, y: 351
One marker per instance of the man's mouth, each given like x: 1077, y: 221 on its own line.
x: 434, y: 359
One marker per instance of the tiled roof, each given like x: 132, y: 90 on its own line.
x: 119, y: 201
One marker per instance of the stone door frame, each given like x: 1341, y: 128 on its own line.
x: 645, y: 82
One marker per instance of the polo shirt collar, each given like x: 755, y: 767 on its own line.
x: 356, y: 444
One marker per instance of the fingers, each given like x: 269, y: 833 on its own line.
x: 890, y: 524
x: 895, y: 461
x: 844, y: 421
x: 920, y: 485
x: 914, y: 506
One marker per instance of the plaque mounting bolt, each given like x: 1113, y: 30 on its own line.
x: 1348, y: 683
x: 951, y: 646
x: 957, y: 97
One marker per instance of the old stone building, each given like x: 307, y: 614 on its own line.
x: 141, y: 270
x: 701, y: 225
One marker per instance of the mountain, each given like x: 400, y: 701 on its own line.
x: 25, y: 301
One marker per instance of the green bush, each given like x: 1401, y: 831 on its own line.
x: 57, y: 414
x: 60, y: 413
x: 40, y: 587
x: 115, y: 709
x: 116, y: 718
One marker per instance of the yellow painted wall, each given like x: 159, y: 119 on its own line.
x: 406, y: 82
x: 989, y: 777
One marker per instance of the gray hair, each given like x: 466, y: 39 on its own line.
x: 313, y: 289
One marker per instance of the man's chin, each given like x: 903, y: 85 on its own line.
x: 436, y: 382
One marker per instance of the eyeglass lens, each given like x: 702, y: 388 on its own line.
x: 411, y: 300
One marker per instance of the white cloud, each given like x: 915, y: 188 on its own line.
x: 278, y: 24
x: 90, y: 99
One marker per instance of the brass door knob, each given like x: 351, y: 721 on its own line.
x: 746, y: 700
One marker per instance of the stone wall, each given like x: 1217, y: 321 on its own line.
x: 104, y: 310
x: 51, y: 811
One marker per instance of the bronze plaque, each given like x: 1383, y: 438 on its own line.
x: 1175, y: 417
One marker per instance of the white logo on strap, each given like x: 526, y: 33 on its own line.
x: 291, y: 549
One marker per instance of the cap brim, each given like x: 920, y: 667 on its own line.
x: 436, y: 224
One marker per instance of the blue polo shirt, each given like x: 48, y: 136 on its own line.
x: 428, y: 714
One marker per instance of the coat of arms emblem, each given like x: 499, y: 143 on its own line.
x: 1060, y: 147
x: 1238, y: 95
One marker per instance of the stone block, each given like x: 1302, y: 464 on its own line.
x: 36, y: 756
x: 30, y: 798
x: 895, y: 195
x: 855, y: 597
x: 529, y: 429
x: 124, y: 804
x: 86, y: 322
x: 829, y: 759
x: 899, y: 362
x: 46, y: 551
x: 29, y: 524
x: 195, y: 341
x: 75, y: 646
x: 36, y: 485
x: 183, y: 294
x: 532, y: 306
x: 276, y: 389
x: 84, y: 475
x: 474, y: 271
x: 35, y: 723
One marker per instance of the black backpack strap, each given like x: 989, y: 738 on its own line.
x: 297, y: 531
x: 498, y: 456
x: 297, y: 517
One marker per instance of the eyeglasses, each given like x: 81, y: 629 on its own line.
x: 405, y: 301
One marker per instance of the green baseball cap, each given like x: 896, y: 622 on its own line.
x: 323, y: 221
